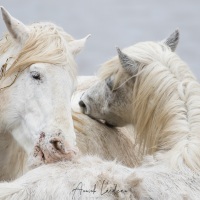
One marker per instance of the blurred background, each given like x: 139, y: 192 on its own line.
x: 116, y: 23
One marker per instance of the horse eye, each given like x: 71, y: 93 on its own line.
x: 109, y: 83
x: 36, y: 75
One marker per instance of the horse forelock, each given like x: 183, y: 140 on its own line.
x: 47, y: 43
x: 166, y: 99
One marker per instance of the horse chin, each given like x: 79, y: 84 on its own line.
x: 102, y: 121
x: 109, y: 125
x: 114, y: 124
x: 106, y: 123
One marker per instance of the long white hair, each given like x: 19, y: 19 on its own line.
x: 166, y: 102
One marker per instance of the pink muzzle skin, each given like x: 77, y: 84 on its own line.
x: 52, y: 150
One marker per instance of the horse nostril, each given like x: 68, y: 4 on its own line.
x: 82, y: 104
x: 57, y: 144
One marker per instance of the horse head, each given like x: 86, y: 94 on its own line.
x: 37, y: 81
x: 111, y: 99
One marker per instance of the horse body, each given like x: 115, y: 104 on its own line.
x: 91, y: 177
x: 35, y: 113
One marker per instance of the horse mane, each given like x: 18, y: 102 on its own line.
x: 47, y: 43
x: 166, y: 103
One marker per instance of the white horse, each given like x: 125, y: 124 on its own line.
x: 166, y: 104
x: 19, y: 118
x: 37, y: 78
x: 151, y: 88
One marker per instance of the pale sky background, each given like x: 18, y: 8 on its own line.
x: 116, y: 23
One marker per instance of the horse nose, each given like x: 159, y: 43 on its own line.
x: 61, y: 149
x: 82, y: 104
x: 56, y: 148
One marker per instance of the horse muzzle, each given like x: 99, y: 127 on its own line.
x: 52, y: 149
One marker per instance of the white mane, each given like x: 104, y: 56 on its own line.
x: 166, y: 103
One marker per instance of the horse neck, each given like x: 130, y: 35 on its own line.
x: 170, y: 120
x: 13, y: 164
x: 12, y: 156
x: 6, y: 59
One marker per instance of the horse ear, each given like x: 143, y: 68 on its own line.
x: 172, y: 40
x: 77, y: 45
x: 16, y: 28
x: 130, y: 66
